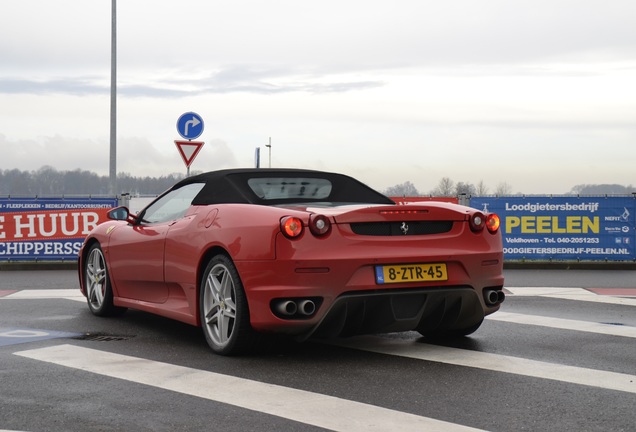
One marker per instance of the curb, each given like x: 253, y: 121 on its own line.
x: 570, y: 265
x: 38, y: 265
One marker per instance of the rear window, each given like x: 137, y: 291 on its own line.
x: 276, y: 188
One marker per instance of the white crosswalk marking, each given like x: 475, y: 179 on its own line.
x: 551, y: 292
x: 564, y: 324
x: 310, y: 408
x: 38, y: 294
x: 579, y: 294
x: 494, y: 362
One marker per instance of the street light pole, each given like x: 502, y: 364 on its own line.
x: 113, y: 100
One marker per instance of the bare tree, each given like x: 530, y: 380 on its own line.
x: 481, y: 189
x: 402, y: 190
x: 48, y: 181
x: 464, y: 188
x: 503, y: 188
x: 445, y: 188
x: 601, y: 189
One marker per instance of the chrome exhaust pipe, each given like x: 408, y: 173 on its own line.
x: 501, y: 296
x: 306, y: 307
x: 286, y: 307
x: 491, y: 297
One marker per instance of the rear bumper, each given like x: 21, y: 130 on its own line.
x: 351, y: 302
x: 429, y: 311
x: 340, y: 271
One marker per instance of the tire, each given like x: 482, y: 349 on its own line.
x: 223, y: 309
x: 99, y: 293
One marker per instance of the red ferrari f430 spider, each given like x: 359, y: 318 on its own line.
x: 246, y: 252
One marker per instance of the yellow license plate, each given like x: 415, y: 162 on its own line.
x: 403, y: 273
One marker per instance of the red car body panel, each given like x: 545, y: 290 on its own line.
x: 329, y: 267
x: 157, y: 267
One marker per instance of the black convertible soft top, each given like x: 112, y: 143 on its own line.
x: 274, y: 186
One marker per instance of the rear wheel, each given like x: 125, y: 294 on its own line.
x: 99, y: 293
x: 223, y: 309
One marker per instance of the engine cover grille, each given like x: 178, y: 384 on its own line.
x: 401, y: 228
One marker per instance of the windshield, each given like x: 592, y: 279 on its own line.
x: 173, y: 205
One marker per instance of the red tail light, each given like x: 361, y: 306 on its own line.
x: 477, y: 221
x: 291, y: 226
x: 492, y: 223
x: 319, y: 225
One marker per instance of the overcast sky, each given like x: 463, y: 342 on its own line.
x: 537, y: 94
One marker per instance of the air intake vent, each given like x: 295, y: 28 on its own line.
x: 401, y: 228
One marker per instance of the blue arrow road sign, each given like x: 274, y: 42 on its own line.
x: 190, y: 125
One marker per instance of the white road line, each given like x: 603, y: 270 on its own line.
x: 81, y: 298
x: 551, y: 292
x: 298, y: 405
x: 495, y: 362
x: 44, y: 294
x: 578, y: 294
x: 543, y: 291
x: 564, y: 324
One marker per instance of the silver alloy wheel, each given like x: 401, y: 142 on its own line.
x: 219, y: 303
x: 96, y: 278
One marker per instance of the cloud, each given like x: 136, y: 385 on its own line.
x: 31, y: 154
x: 234, y: 79
x: 218, y: 155
x: 72, y: 86
x: 135, y: 155
x: 535, y: 93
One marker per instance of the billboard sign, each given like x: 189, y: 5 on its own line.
x: 48, y: 228
x: 564, y: 228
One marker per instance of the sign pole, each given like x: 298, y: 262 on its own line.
x: 112, y: 169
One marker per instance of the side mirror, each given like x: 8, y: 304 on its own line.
x: 119, y: 213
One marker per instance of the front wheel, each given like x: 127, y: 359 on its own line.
x: 99, y: 292
x: 223, y: 309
